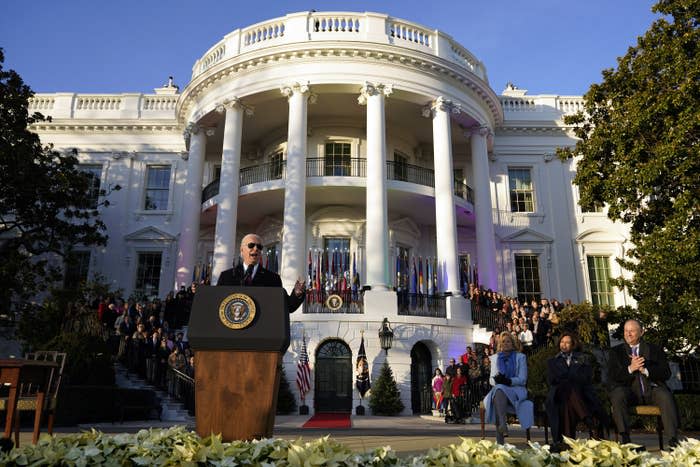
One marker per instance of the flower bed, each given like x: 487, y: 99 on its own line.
x: 177, y: 446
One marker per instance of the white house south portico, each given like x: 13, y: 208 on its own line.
x: 375, y: 162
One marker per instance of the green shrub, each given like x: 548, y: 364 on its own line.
x: 385, y: 397
x: 177, y: 446
x: 286, y: 402
x: 689, y: 411
x: 88, y: 360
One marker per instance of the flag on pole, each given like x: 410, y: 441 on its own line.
x: 362, y: 370
x: 421, y: 288
x: 310, y: 279
x: 303, y: 371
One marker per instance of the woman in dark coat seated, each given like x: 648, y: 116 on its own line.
x: 571, y: 395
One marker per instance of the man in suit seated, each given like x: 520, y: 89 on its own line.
x: 637, y: 374
x: 251, y: 273
x: 571, y: 395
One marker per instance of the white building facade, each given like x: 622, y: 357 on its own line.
x: 368, y: 144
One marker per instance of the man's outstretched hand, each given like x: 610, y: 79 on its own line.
x: 299, y: 288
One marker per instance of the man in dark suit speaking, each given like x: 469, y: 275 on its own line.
x: 251, y: 273
x: 637, y: 374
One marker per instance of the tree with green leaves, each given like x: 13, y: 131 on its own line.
x: 385, y: 397
x: 639, y: 153
x: 46, y: 209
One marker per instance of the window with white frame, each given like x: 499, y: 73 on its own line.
x: 148, y: 273
x: 157, y: 188
x: 95, y: 174
x: 337, y: 159
x: 527, y: 274
x: 599, y: 280
x: 76, y: 269
x: 522, y: 193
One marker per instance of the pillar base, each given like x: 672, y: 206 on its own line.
x: 458, y: 308
x: 383, y: 301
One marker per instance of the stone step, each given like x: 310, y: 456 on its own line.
x: 173, y: 410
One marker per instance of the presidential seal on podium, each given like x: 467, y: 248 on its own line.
x: 237, y: 311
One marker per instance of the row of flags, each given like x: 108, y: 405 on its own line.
x: 331, y: 271
x: 362, y: 381
x: 337, y: 271
x: 421, y: 277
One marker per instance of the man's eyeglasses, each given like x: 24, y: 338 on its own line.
x: 252, y: 245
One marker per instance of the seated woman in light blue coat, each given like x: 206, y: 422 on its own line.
x: 508, y: 394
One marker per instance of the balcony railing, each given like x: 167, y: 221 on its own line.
x: 464, y: 191
x: 410, y: 173
x: 411, y: 304
x: 263, y: 173
x: 486, y: 317
x: 352, y: 167
x: 210, y: 190
x: 323, y: 301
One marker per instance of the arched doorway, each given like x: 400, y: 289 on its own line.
x: 421, y: 377
x: 333, y: 381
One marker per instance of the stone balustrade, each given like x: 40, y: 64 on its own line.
x: 339, y: 26
x: 105, y: 106
x: 543, y: 107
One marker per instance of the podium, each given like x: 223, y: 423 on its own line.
x: 239, y: 336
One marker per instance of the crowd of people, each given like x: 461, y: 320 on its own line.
x: 533, y: 323
x: 149, y: 343
x: 146, y: 333
x: 458, y: 390
x: 637, y: 372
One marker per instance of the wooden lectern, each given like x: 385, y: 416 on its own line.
x: 239, y: 336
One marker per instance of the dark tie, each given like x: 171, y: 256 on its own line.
x: 248, y: 276
x: 635, y: 352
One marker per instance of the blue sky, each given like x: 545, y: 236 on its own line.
x: 93, y: 46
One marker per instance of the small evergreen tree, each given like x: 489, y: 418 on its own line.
x: 385, y: 397
x: 286, y: 403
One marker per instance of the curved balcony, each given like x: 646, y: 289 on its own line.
x: 339, y: 26
x: 350, y: 167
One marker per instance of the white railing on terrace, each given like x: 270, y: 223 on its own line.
x: 154, y: 103
x: 108, y: 106
x: 263, y: 33
x: 98, y: 103
x: 212, y: 57
x: 321, y: 22
x: 409, y: 32
x: 544, y: 106
x: 570, y: 105
x: 39, y: 103
x: 339, y: 26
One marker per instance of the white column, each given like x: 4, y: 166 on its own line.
x: 294, y: 230
x: 225, y: 247
x: 485, y: 237
x: 445, y: 216
x: 191, y: 206
x: 377, y: 232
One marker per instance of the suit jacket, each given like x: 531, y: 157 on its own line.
x: 262, y: 278
x: 541, y: 333
x: 654, y: 361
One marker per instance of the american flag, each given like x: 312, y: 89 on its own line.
x: 303, y: 371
